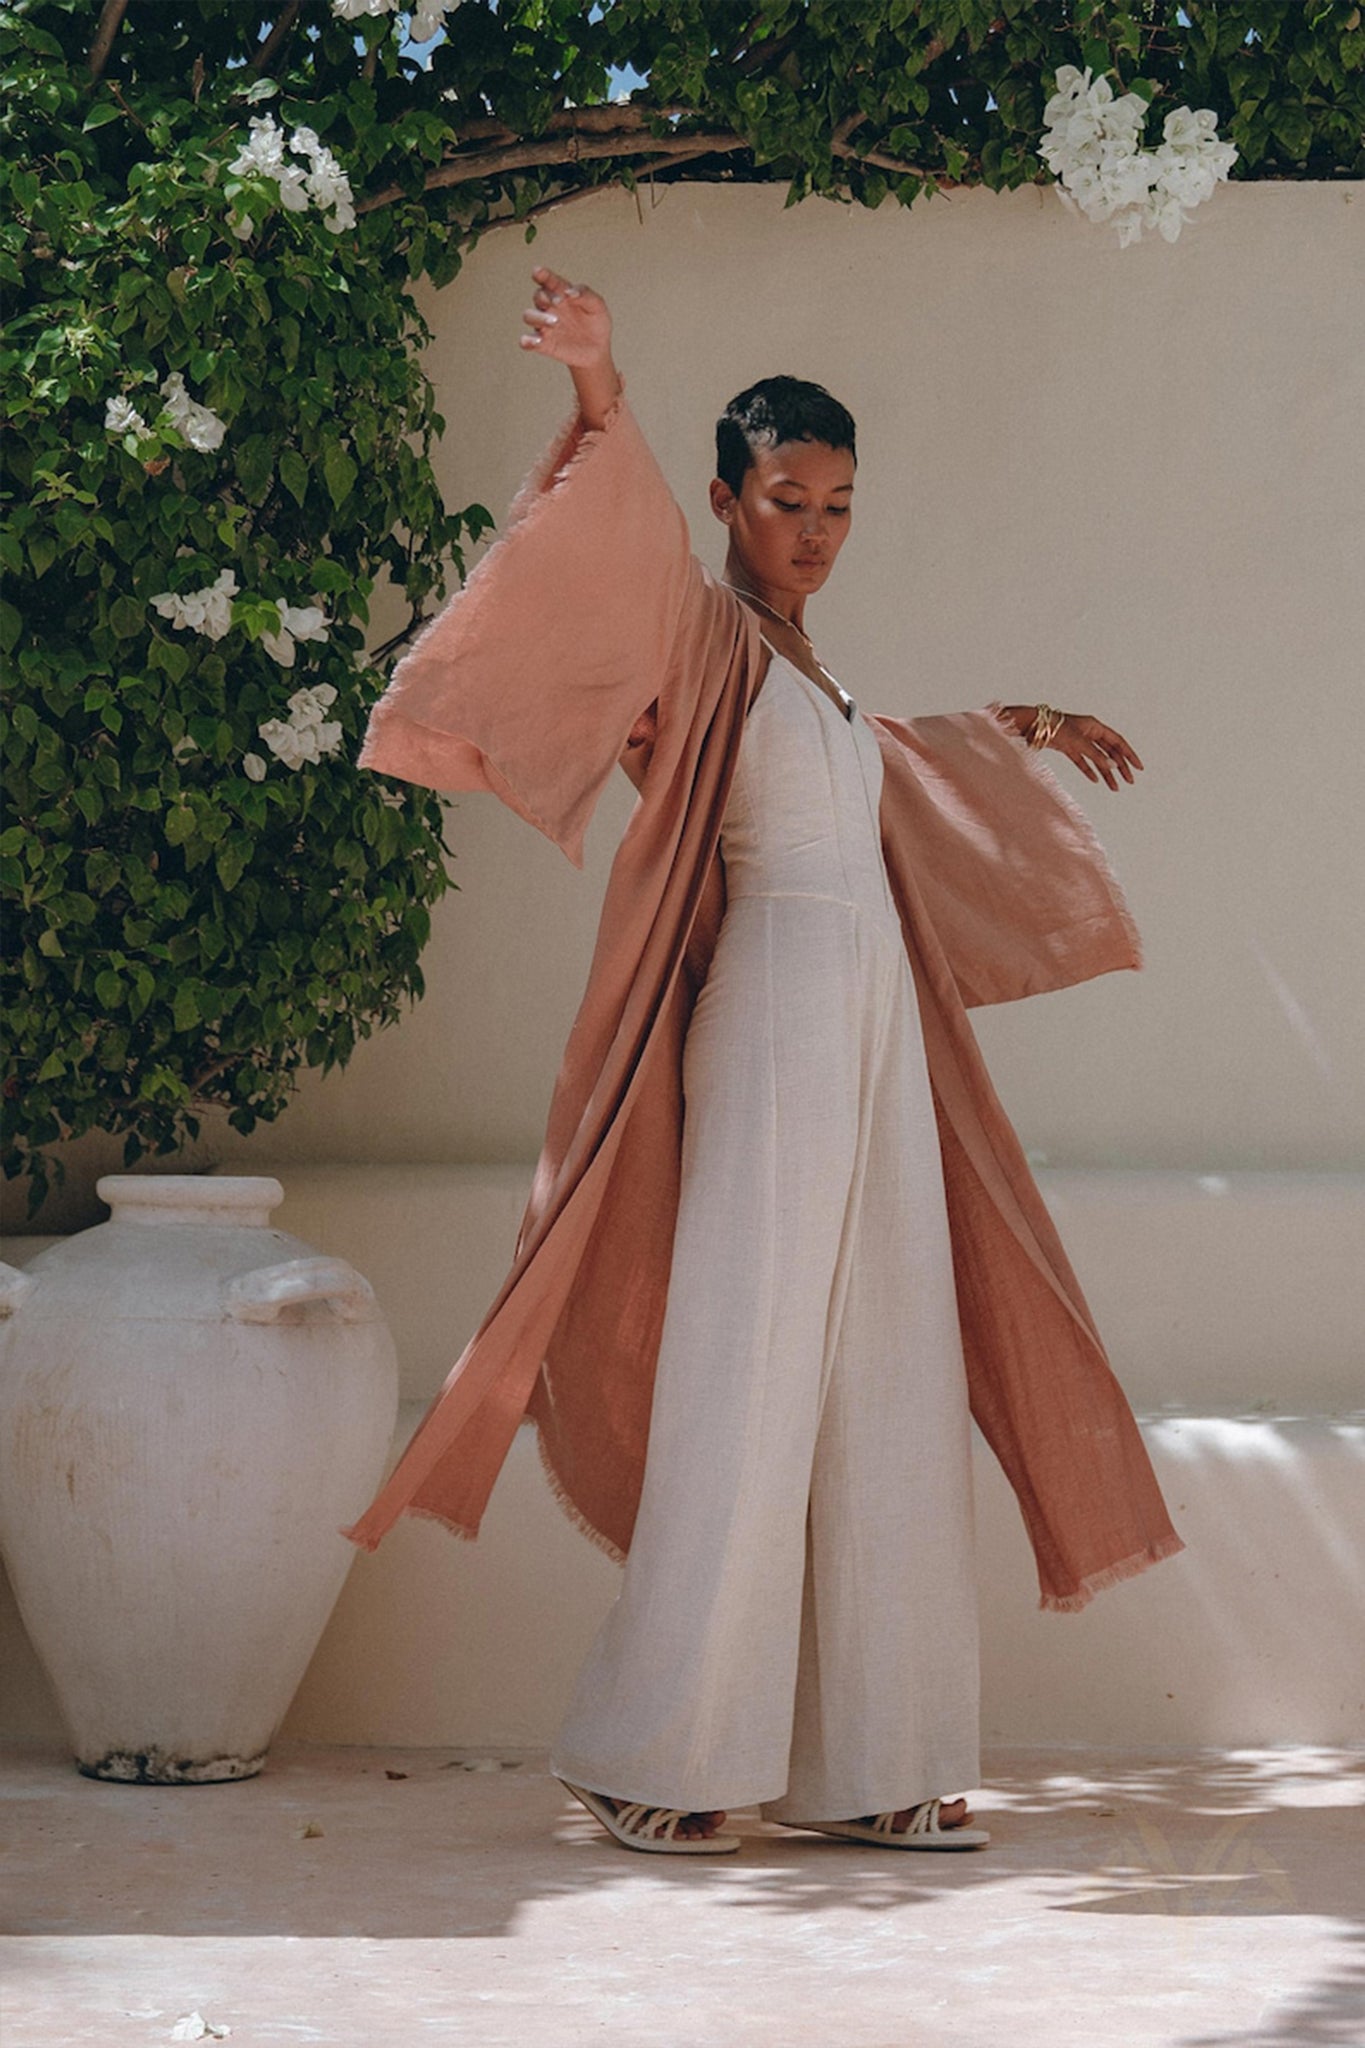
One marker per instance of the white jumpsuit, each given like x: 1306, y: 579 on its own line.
x: 796, y: 1626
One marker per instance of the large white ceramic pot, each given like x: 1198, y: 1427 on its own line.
x: 192, y: 1406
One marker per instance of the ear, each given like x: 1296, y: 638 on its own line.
x: 722, y: 500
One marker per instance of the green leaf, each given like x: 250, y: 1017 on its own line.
x: 101, y: 115
x: 339, y: 473
x: 127, y: 617
x: 254, y: 459
x: 185, y: 1007
x: 294, y: 474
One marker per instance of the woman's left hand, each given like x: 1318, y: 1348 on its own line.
x: 1095, y: 748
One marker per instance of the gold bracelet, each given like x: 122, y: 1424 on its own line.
x: 1047, y: 723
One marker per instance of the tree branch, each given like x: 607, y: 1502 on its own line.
x: 558, y: 199
x: 463, y: 170
x: 275, y: 41
x: 111, y: 15
x: 879, y: 160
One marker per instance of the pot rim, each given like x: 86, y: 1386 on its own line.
x: 143, y: 1196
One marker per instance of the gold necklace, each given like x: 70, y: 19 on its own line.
x: 846, y: 703
x: 740, y: 591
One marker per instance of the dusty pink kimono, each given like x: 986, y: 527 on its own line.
x: 589, y: 634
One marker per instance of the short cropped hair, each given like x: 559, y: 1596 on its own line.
x: 775, y: 410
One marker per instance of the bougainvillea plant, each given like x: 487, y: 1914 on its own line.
x: 218, y: 430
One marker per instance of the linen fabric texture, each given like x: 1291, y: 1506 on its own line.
x: 589, y: 634
x: 797, y: 1624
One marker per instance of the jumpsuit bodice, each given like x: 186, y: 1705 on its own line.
x: 803, y: 814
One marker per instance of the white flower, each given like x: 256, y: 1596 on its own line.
x: 198, y: 425
x: 306, y: 622
x: 285, y: 742
x: 253, y: 767
x: 297, y: 622
x: 307, y: 734
x: 263, y: 154
x: 293, y: 189
x: 324, y: 184
x: 1093, y: 148
x: 122, y: 417
x: 327, y: 183
x: 426, y: 17
x: 307, y: 707
x: 207, y: 611
x: 429, y: 16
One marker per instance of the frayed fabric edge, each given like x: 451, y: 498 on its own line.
x: 370, y: 1544
x: 570, y: 1506
x: 1112, y: 1575
x: 1033, y: 765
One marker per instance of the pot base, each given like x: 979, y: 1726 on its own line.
x: 158, y: 1767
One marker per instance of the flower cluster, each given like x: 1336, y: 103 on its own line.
x: 323, y: 184
x: 1093, y: 148
x: 427, y: 15
x: 195, y: 424
x: 207, y: 611
x: 306, y: 735
x: 297, y: 622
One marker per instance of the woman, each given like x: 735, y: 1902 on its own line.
x: 797, y: 1626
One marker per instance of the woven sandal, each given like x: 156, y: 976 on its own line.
x: 923, y: 1832
x: 651, y: 1828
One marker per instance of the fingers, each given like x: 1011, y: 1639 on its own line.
x: 552, y: 293
x: 537, y: 320
x: 551, y: 287
x: 549, y: 280
x: 1097, y: 747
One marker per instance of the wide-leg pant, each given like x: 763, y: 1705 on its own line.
x: 797, y: 1622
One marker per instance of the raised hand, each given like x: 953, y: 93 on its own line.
x: 567, y: 321
x: 570, y: 323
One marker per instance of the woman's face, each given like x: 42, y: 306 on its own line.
x: 791, y: 517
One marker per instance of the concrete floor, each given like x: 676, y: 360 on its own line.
x: 363, y: 1898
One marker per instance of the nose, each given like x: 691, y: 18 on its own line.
x: 813, y: 520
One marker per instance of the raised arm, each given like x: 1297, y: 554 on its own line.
x: 531, y: 681
x: 570, y: 324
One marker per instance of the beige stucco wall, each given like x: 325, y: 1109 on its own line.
x: 1127, y: 481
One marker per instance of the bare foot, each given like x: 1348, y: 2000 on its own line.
x: 692, y: 1827
x: 952, y: 1814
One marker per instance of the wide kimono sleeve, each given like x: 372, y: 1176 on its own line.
x: 530, y: 680
x: 1010, y: 872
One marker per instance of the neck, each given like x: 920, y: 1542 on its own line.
x: 788, y: 605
